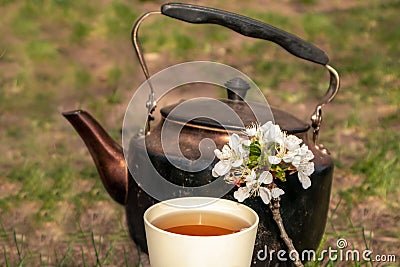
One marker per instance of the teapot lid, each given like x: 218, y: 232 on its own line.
x: 244, y: 110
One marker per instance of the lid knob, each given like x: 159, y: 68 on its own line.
x: 237, y: 88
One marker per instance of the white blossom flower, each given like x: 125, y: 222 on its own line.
x: 292, y: 142
x: 242, y: 193
x: 265, y: 195
x: 242, y: 164
x: 251, y: 186
x: 224, y: 154
x: 274, y: 159
x: 230, y: 156
x: 236, y: 150
x: 224, y: 165
x: 301, y: 155
x: 304, y: 171
x: 278, y: 153
x: 265, y: 178
x: 221, y: 168
x: 252, y: 130
x: 266, y: 126
x: 277, y: 192
x: 272, y: 133
x: 234, y: 141
x: 290, y: 156
x: 251, y: 177
x: 304, y: 180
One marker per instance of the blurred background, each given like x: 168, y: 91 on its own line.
x: 58, y: 55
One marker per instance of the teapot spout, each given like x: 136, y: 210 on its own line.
x: 106, y: 153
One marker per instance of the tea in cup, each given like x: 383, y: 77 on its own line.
x: 200, y: 231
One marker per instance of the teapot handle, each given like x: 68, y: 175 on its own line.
x: 247, y: 27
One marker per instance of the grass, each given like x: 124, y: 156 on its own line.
x: 56, y: 55
x: 86, y: 250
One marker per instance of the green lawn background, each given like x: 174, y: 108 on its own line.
x: 58, y: 55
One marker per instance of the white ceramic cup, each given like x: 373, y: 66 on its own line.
x: 168, y: 249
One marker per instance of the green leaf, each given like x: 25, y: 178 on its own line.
x: 255, y: 149
x: 281, y: 176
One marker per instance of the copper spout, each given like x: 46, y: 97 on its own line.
x: 106, y: 153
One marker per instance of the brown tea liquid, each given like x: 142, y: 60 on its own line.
x: 200, y: 230
x: 200, y: 223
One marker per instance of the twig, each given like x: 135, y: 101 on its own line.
x: 274, y: 206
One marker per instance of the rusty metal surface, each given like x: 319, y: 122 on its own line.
x: 303, y: 211
x: 106, y: 153
x: 286, y: 121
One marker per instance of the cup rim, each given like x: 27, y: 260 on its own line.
x: 207, y: 200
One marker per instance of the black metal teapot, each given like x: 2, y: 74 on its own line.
x: 304, y: 212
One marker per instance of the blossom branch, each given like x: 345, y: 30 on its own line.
x: 274, y: 206
x: 253, y: 163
